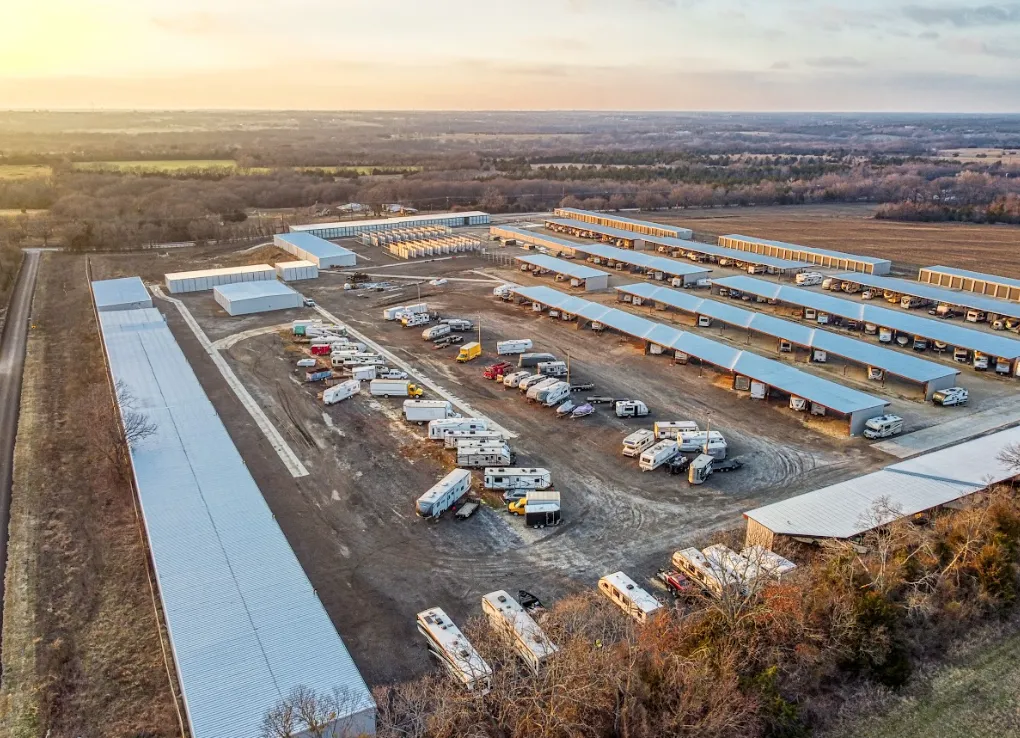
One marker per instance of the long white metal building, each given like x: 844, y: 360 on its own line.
x: 856, y: 407
x: 643, y: 227
x: 206, y: 279
x: 934, y: 293
x: 849, y: 509
x: 245, y: 298
x: 245, y: 625
x: 584, y: 276
x: 352, y: 228
x: 309, y: 247
x: 992, y: 285
x: 294, y: 271
x: 128, y: 293
x: 821, y: 257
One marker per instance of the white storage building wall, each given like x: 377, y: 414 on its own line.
x: 293, y: 271
x: 207, y: 279
x: 256, y: 297
x: 357, y: 227
x: 319, y: 251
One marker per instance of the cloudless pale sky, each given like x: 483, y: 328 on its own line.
x: 922, y: 55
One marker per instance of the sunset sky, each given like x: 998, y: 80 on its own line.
x: 926, y: 55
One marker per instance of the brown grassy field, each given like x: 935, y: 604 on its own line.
x: 853, y: 228
x: 981, y: 156
x: 82, y: 653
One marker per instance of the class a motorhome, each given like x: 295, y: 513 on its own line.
x: 516, y: 478
x: 444, y: 494
x: 512, y: 622
x: 451, y: 439
x: 454, y: 651
x: 623, y: 592
x: 637, y: 442
x: 485, y: 455
x: 672, y: 428
x: 439, y: 429
x: 654, y: 457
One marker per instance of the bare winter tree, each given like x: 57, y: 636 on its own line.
x: 306, y: 712
x: 1010, y: 456
x: 137, y: 425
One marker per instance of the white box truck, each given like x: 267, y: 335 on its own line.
x: 436, y: 331
x: 513, y: 346
x: 483, y: 456
x: 342, y: 391
x: 439, y: 429
x: 637, y: 442
x: 394, y: 388
x: 477, y: 437
x: 507, y: 478
x: 444, y: 494
x: 422, y: 411
x: 672, y: 428
x: 658, y: 455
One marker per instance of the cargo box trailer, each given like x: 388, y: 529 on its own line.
x: 514, y: 346
x: 485, y: 455
x: 439, y: 429
x: 533, y: 360
x: 422, y: 411
x: 454, y: 651
x: 637, y: 442
x: 542, y: 508
x: 516, y: 478
x: 673, y: 428
x: 509, y: 619
x: 444, y: 494
x: 454, y: 438
x: 623, y: 592
x: 342, y: 391
x: 654, y: 457
x: 393, y: 313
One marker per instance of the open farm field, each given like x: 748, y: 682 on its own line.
x: 14, y: 172
x: 169, y: 165
x: 853, y: 228
x: 363, y: 170
x: 981, y: 156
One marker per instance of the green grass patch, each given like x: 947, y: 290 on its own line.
x: 13, y: 172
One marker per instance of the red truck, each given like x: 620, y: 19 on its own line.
x: 497, y: 370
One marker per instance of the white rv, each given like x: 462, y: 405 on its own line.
x: 883, y: 426
x: 769, y: 562
x: 454, y: 438
x: 444, y: 494
x: 535, y: 387
x: 553, y: 368
x: 413, y: 320
x: 554, y: 395
x: 484, y: 455
x: 528, y: 382
x: 513, y: 346
x: 631, y: 409
x: 512, y: 380
x: 692, y: 564
x: 516, y: 478
x: 637, y: 442
x: 436, y: 331
x: 701, y: 468
x: 438, y: 429
x: 809, y: 279
x: 625, y: 594
x: 658, y: 455
x: 691, y: 441
x: 422, y: 411
x: 509, y: 619
x: 456, y: 653
x: 341, y: 391
x: 672, y: 428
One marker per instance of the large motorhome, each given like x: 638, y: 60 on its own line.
x: 625, y: 594
x: 444, y: 494
x: 456, y: 653
x: 516, y: 478
x: 509, y: 619
x: 637, y: 442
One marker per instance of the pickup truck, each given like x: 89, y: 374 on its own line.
x: 677, y: 584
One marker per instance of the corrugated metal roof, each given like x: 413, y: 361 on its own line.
x: 199, y: 273
x: 591, y: 248
x: 850, y: 508
x: 784, y: 378
x: 931, y: 292
x: 899, y: 320
x: 980, y: 276
x: 247, y: 290
x: 562, y: 266
x: 314, y: 245
x: 895, y: 362
x: 678, y: 230
x: 121, y: 294
x: 810, y: 249
x: 245, y: 625
x: 395, y: 222
x: 294, y: 264
x: 680, y: 243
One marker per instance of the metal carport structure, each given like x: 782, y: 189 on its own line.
x: 969, y: 300
x: 820, y: 257
x: 592, y: 279
x: 857, y: 407
x: 993, y: 285
x: 928, y: 374
x: 1001, y: 348
x: 642, y: 227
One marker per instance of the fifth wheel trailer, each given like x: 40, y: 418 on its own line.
x: 516, y: 478
x: 444, y: 494
x: 439, y: 429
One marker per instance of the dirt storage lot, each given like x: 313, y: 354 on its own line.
x: 352, y: 523
x: 854, y: 229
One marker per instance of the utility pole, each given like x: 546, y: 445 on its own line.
x: 479, y: 329
x: 568, y: 367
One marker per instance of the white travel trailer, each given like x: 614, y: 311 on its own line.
x: 456, y: 653
x: 528, y: 382
x: 554, y: 395
x: 691, y: 441
x: 453, y: 439
x: 631, y: 409
x: 673, y: 428
x: 658, y: 455
x: 444, y: 494
x: 477, y: 457
x: 436, y: 331
x: 701, y: 468
x: 513, y: 346
x: 341, y: 391
x: 534, y: 389
x: 422, y: 411
x: 637, y: 442
x: 695, y: 566
x: 625, y: 594
x: 438, y: 429
x: 516, y: 478
x: 514, y: 379
x: 509, y: 619
x: 553, y: 368
x: 809, y: 279
x: 769, y: 562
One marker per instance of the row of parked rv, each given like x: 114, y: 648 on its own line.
x: 717, y: 570
x: 667, y: 442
